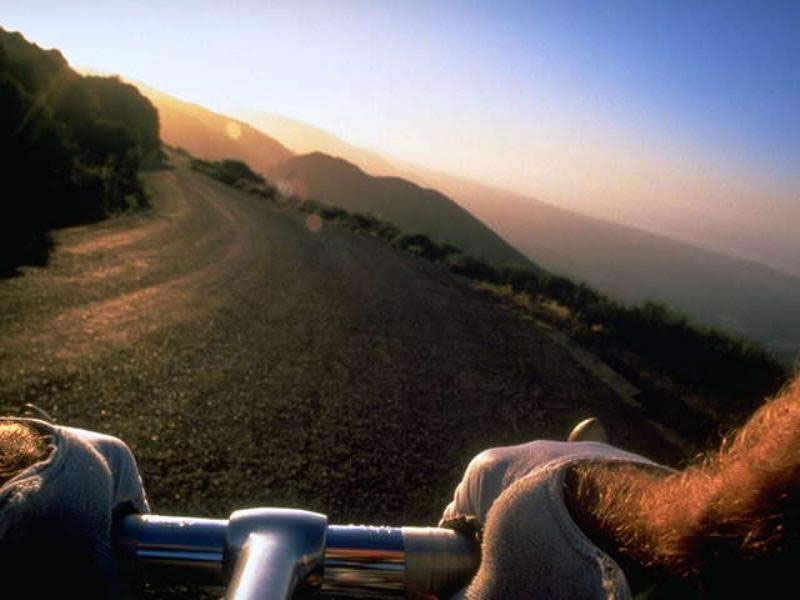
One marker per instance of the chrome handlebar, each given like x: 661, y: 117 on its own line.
x: 270, y: 553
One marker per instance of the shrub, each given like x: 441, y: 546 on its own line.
x: 333, y: 213
x: 418, y: 244
x: 522, y: 280
x: 362, y: 222
x: 230, y: 172
x: 422, y: 245
x: 267, y: 191
x: 238, y: 170
x: 473, y: 268
x: 72, y: 146
x: 310, y: 206
x: 386, y: 231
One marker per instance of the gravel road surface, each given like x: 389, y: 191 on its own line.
x: 248, y: 360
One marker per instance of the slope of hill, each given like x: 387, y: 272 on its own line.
x: 412, y: 208
x: 303, y: 138
x: 213, y: 136
x: 734, y: 295
x: 71, y: 147
x: 738, y: 296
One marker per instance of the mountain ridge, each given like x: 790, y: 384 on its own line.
x: 336, y: 181
x: 379, y: 163
x: 303, y: 138
x: 207, y: 134
x: 611, y: 257
x: 212, y: 135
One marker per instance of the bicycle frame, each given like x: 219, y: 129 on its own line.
x: 271, y: 553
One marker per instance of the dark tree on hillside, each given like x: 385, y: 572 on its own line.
x: 71, y: 146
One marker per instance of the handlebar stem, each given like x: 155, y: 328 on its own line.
x: 271, y: 550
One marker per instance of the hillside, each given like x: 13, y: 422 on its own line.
x: 337, y: 182
x: 303, y: 138
x: 737, y: 296
x: 208, y: 135
x: 213, y: 136
x: 72, y: 148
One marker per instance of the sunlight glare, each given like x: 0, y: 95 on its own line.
x: 313, y: 223
x: 233, y: 130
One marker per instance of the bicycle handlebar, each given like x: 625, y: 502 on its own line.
x: 271, y: 552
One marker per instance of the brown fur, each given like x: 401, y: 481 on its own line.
x: 729, y: 525
x: 20, y: 447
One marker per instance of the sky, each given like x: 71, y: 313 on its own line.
x: 681, y: 118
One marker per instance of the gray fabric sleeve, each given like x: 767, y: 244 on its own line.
x: 127, y: 487
x: 56, y: 517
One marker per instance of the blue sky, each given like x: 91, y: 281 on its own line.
x: 725, y: 75
x: 678, y: 117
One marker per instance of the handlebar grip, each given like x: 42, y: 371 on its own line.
x: 438, y: 560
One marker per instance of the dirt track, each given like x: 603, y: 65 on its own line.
x: 249, y: 361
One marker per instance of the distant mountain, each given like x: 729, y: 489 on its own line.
x: 211, y: 135
x: 412, y: 208
x: 303, y: 138
x: 735, y: 295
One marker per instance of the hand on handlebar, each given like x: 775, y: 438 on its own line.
x: 56, y: 515
x: 512, y: 498
x: 67, y: 502
x: 490, y: 502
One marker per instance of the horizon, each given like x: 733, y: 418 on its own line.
x: 673, y: 120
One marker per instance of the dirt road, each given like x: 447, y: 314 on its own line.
x: 249, y: 361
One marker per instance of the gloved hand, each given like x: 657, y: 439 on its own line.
x: 531, y: 548
x: 56, y: 516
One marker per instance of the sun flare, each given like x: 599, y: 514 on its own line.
x: 233, y: 130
